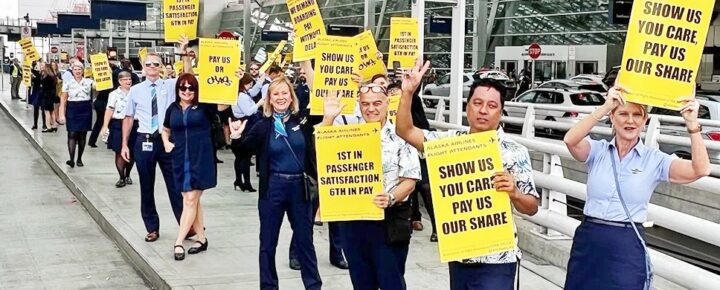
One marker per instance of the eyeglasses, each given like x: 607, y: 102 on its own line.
x: 372, y: 87
x: 152, y: 63
x: 187, y: 88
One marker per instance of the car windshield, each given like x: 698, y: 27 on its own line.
x: 587, y: 99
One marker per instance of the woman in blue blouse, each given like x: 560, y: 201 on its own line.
x: 245, y: 110
x: 186, y: 134
x: 284, y: 153
x: 607, y: 251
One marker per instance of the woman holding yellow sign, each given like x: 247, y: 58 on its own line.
x: 285, y: 155
x: 609, y: 250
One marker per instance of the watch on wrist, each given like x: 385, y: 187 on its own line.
x: 392, y: 199
x: 697, y: 129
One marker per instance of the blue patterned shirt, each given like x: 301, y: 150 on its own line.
x: 516, y: 161
x: 399, y: 159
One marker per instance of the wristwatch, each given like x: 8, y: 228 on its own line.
x: 392, y: 199
x: 697, y: 129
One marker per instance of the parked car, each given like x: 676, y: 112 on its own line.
x: 590, y: 80
x: 570, y: 84
x: 442, y: 88
x: 568, y: 98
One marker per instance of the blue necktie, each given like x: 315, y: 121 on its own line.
x: 155, y: 124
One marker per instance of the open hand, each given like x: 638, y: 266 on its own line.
x: 689, y: 111
x: 413, y: 77
x: 504, y: 182
x: 236, y: 128
x: 332, y: 106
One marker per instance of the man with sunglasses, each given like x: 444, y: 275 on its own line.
x: 147, y: 102
x: 484, y: 108
x: 376, y: 251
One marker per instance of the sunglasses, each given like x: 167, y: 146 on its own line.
x: 374, y: 88
x: 149, y: 63
x: 187, y: 88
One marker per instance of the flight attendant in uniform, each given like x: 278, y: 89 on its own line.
x: 76, y: 107
x: 186, y: 134
x: 284, y: 153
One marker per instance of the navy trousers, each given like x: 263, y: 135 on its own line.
x: 285, y: 194
x: 373, y: 263
x: 334, y: 237
x: 146, y: 161
x: 482, y: 276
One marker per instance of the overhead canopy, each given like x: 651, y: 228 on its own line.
x: 82, y: 21
x: 119, y: 10
x: 46, y: 29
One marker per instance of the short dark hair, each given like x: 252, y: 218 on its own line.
x: 274, y: 69
x: 246, y: 79
x: 377, y: 76
x: 394, y: 86
x: 187, y: 78
x: 489, y: 83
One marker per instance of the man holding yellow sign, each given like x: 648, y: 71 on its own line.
x: 376, y: 251
x: 495, y: 269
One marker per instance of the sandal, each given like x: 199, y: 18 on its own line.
x: 179, y: 256
x: 202, y: 247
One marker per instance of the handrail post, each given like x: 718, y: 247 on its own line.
x: 440, y: 111
x: 528, y: 128
x: 653, y: 131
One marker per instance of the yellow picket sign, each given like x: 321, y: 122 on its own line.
x: 349, y: 176
x: 393, y: 104
x: 404, y: 42
x: 26, y: 72
x: 308, y: 23
x: 142, y: 53
x: 370, y: 65
x: 273, y: 57
x: 179, y: 67
x: 664, y: 44
x: 181, y: 18
x: 218, y: 60
x: 101, y: 71
x: 472, y: 218
x: 29, y: 50
x: 336, y: 61
x: 88, y: 73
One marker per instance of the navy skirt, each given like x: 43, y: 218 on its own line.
x: 115, y: 138
x: 606, y: 257
x: 79, y: 116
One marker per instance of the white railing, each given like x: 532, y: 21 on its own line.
x: 677, y: 271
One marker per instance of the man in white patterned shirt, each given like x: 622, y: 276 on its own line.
x: 484, y: 108
x: 376, y: 251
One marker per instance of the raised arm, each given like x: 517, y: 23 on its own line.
x: 309, y: 72
x: 575, y: 138
x: 686, y: 171
x: 405, y: 127
x: 187, y: 61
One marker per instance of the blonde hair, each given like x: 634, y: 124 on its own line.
x: 642, y: 107
x: 294, y: 105
x: 76, y: 64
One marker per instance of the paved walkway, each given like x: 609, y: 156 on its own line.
x: 232, y: 228
x: 50, y: 240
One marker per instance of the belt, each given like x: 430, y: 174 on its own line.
x: 147, y: 136
x: 611, y: 223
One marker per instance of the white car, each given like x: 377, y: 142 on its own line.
x: 568, y: 98
x: 492, y: 74
x: 442, y: 86
x: 587, y: 79
x: 570, y: 84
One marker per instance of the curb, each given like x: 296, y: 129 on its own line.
x: 141, y: 265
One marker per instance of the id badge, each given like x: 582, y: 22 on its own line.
x: 147, y: 146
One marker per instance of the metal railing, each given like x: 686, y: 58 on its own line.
x: 670, y: 268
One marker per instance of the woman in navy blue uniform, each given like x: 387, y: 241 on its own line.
x: 186, y: 134
x: 284, y: 154
x: 609, y: 250
x: 76, y: 106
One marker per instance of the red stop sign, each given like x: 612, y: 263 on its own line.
x: 226, y: 35
x: 534, y: 51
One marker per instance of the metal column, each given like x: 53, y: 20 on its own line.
x: 418, y: 11
x: 110, y: 29
x: 369, y: 15
x: 457, y: 60
x: 246, y: 34
x: 482, y: 31
x: 127, y: 40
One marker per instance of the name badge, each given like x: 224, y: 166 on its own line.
x: 296, y: 128
x: 147, y: 146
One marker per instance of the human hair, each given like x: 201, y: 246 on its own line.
x: 394, y: 86
x: 377, y: 76
x: 124, y: 74
x: 246, y: 79
x: 643, y: 108
x: 274, y: 69
x: 126, y: 64
x: 76, y: 64
x: 50, y: 70
x: 149, y: 54
x: 274, y: 85
x: 189, y: 79
x: 489, y: 83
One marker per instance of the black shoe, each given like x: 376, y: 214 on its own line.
x: 219, y: 161
x: 128, y: 180
x: 70, y: 163
x: 318, y: 223
x: 120, y: 183
x: 249, y: 188
x: 433, y: 238
x: 202, y: 247
x: 34, y: 128
x: 153, y: 236
x: 294, y: 264
x: 47, y: 130
x: 80, y: 164
x: 238, y: 184
x: 341, y: 265
x: 179, y: 256
x: 93, y: 145
x: 54, y: 129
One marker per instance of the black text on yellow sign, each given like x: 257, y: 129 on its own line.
x: 218, y: 61
x: 404, y: 42
x: 101, y: 71
x: 336, y: 61
x: 180, y: 18
x: 473, y: 218
x: 309, y: 25
x: 663, y: 48
x: 349, y: 176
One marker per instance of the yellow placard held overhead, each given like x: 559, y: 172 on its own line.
x: 88, y: 73
x: 665, y: 41
x: 101, y: 71
x: 404, y: 42
x: 142, y: 53
x: 273, y: 57
x: 309, y: 25
x: 29, y: 50
x: 472, y: 218
x: 180, y: 18
x: 393, y: 104
x: 349, y: 176
x: 370, y: 65
x: 179, y: 67
x: 218, y: 60
x: 336, y: 61
x: 26, y: 72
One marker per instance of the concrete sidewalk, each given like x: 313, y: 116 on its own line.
x: 231, y: 261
